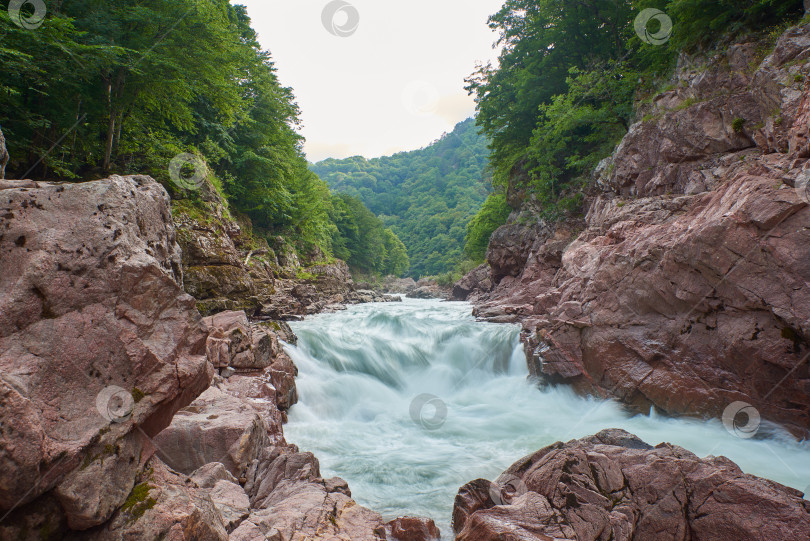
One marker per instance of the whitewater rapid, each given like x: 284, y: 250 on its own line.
x: 409, y: 401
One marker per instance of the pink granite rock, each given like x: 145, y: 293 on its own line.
x: 99, y: 346
x: 615, y: 486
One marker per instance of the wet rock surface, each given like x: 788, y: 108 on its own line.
x: 686, y: 285
x: 615, y: 486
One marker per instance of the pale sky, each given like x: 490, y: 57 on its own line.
x: 395, y: 83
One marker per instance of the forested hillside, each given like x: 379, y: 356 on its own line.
x: 570, y: 73
x: 427, y: 196
x: 120, y: 87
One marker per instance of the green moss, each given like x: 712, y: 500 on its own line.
x: 273, y: 325
x: 304, y: 275
x: 138, y: 502
x: 46, y: 531
x: 137, y: 395
x: 685, y: 104
x: 738, y: 124
x: 798, y: 78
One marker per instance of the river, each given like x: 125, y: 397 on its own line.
x: 408, y: 401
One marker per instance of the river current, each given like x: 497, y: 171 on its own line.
x: 408, y: 401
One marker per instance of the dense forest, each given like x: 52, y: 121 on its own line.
x: 570, y: 73
x: 427, y: 196
x: 98, y: 88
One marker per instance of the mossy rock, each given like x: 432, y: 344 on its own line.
x: 138, y: 502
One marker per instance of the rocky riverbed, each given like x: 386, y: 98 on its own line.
x: 144, y: 386
x: 126, y: 414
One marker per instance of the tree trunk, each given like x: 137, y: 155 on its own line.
x: 3, y: 155
x: 110, y: 135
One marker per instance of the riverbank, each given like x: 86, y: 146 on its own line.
x: 410, y: 401
x: 684, y: 287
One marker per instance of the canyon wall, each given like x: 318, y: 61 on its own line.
x: 687, y: 284
x: 228, y: 266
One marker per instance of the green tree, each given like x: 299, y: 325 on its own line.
x: 492, y: 215
x: 426, y: 197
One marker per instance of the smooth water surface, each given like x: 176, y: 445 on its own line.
x: 408, y: 401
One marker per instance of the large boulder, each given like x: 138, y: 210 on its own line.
x: 99, y: 345
x: 162, y: 505
x: 615, y: 486
x: 216, y: 427
x: 476, y: 281
x: 291, y: 501
x: 228, y: 496
x: 232, y: 341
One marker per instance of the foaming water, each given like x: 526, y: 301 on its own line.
x: 361, y: 369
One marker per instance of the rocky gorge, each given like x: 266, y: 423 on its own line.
x: 144, y: 382
x: 685, y: 287
x: 125, y: 413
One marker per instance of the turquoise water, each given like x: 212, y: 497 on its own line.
x: 408, y: 401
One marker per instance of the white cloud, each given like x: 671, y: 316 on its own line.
x: 350, y: 89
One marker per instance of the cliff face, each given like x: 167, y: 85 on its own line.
x: 227, y: 267
x: 687, y: 287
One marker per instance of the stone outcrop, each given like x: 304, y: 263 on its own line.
x: 615, y: 486
x: 290, y: 500
x: 409, y: 529
x: 216, y: 427
x: 476, y: 281
x: 428, y: 289
x: 99, y: 346
x: 228, y: 267
x: 686, y: 286
x: 162, y: 505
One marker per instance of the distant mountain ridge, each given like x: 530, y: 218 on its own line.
x: 426, y: 196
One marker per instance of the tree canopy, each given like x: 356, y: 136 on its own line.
x: 104, y: 87
x: 569, y: 73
